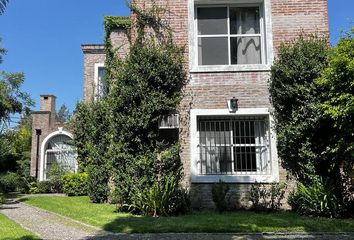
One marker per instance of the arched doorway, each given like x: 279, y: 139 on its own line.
x: 57, y: 149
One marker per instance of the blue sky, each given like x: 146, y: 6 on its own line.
x: 43, y: 40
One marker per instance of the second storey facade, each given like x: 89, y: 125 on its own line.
x: 225, y: 125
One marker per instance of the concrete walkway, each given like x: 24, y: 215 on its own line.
x: 45, y: 224
x: 48, y: 225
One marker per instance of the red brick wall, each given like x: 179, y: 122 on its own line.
x: 211, y: 90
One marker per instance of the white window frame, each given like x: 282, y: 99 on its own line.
x: 265, y: 32
x: 97, y: 66
x: 196, y: 177
x: 43, y: 160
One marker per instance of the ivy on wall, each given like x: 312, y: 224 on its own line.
x: 118, y: 140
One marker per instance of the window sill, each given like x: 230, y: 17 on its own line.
x: 234, y: 179
x: 231, y: 68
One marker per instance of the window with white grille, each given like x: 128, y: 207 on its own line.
x: 233, y: 146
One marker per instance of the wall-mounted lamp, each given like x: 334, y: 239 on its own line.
x: 232, y: 104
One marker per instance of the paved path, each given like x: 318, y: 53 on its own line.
x: 52, y: 226
x: 45, y: 224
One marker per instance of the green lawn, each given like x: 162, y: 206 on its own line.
x: 9, y: 230
x: 103, y: 216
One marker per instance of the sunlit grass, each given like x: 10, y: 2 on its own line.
x: 11, y: 230
x: 105, y: 217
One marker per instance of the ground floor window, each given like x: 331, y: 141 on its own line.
x: 237, y: 145
x: 59, y: 150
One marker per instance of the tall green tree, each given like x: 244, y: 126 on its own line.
x: 15, y: 143
x: 312, y: 91
x: 337, y: 87
x: 63, y: 115
x: 117, y: 137
x: 301, y: 132
x: 12, y: 99
x: 3, y: 4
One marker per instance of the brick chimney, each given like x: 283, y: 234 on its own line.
x: 47, y: 103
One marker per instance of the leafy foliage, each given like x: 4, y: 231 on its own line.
x: 219, y: 192
x: 63, y: 115
x: 2, y: 199
x: 9, y: 182
x: 3, y: 4
x: 163, y: 198
x: 55, y: 174
x: 15, y: 144
x: 317, y: 199
x: 40, y: 187
x: 117, y: 137
x: 337, y: 86
x: 295, y: 99
x: 312, y: 93
x: 75, y: 184
x: 91, y: 125
x: 267, y: 196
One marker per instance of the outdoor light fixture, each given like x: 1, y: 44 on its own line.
x: 232, y: 104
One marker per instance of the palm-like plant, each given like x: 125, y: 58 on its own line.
x: 3, y: 4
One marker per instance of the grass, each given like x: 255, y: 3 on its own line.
x: 11, y: 230
x: 103, y: 216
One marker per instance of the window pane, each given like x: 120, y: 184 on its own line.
x: 245, y: 159
x: 102, y: 83
x: 245, y: 50
x: 212, y: 51
x: 212, y: 20
x: 244, y: 20
x: 233, y: 146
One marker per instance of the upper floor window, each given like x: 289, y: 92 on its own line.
x: 229, y: 35
x: 101, y: 86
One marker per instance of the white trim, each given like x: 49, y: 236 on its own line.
x: 95, y: 91
x: 42, y: 161
x: 196, y: 178
x: 266, y: 38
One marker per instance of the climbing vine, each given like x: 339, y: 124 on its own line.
x: 118, y: 139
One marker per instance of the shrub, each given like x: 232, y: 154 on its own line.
x: 117, y: 137
x: 219, y: 192
x: 163, y: 198
x: 33, y: 188
x: 317, y: 199
x: 295, y: 97
x: 24, y: 183
x: 97, y: 186
x: 75, y: 184
x: 44, y: 187
x: 40, y: 187
x: 9, y: 182
x: 2, y: 198
x: 266, y: 196
x: 55, y: 176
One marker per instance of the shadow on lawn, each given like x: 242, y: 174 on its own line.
x: 22, y: 238
x: 235, y: 222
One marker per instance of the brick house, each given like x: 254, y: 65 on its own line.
x: 51, y: 140
x: 225, y: 125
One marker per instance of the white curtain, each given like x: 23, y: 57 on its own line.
x: 248, y: 48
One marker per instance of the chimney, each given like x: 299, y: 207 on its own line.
x: 47, y: 103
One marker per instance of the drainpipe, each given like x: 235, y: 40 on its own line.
x: 38, y: 134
